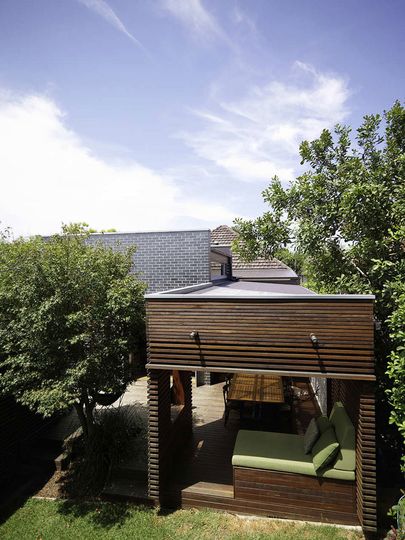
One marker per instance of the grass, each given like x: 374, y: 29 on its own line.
x: 56, y: 520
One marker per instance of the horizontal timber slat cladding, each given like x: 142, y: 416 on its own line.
x: 359, y: 401
x: 162, y: 304
x: 269, y: 351
x: 304, y: 496
x: 259, y: 342
x: 263, y: 334
x: 257, y: 349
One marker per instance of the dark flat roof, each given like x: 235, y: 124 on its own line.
x: 226, y: 289
x: 252, y: 288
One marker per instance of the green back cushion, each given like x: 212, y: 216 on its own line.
x: 325, y: 449
x: 311, y: 436
x: 323, y: 423
x: 346, y: 435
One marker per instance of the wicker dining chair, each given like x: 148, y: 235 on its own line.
x: 228, y: 404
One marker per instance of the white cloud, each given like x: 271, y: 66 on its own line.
x: 49, y: 176
x: 195, y: 18
x: 240, y: 17
x: 107, y: 13
x: 258, y: 136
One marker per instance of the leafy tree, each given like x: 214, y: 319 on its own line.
x: 292, y: 258
x: 396, y: 366
x: 70, y: 314
x: 346, y: 215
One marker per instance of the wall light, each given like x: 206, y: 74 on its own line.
x: 314, y: 339
x: 194, y: 335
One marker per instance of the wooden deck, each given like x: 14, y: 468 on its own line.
x: 203, y: 474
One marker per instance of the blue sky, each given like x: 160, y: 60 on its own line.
x: 168, y: 114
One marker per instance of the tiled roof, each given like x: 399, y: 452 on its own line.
x: 224, y: 235
x: 260, y: 262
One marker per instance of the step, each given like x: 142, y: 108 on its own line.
x: 209, y: 488
x: 62, y: 461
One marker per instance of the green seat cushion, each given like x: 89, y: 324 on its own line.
x: 325, y: 449
x: 282, y: 452
x: 269, y: 450
x: 311, y: 436
x: 346, y: 436
x: 323, y: 423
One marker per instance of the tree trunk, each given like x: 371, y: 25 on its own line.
x: 89, y: 408
x: 82, y: 419
x: 85, y: 412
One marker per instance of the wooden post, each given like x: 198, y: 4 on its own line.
x: 159, y: 430
x: 186, y: 378
x: 366, y: 461
x: 166, y: 438
x: 358, y: 398
x: 178, y: 397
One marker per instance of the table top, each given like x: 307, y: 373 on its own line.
x: 256, y: 388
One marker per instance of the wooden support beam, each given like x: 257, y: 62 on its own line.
x: 178, y: 397
x: 359, y: 401
x: 165, y: 437
x: 278, y: 373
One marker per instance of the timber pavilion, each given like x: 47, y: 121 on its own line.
x: 264, y: 344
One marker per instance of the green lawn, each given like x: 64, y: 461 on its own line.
x: 51, y: 520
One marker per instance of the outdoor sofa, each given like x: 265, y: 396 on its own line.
x: 275, y: 467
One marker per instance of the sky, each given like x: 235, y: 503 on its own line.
x: 175, y: 114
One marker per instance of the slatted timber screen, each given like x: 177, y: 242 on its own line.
x: 159, y: 428
x: 296, y: 496
x: 165, y: 436
x: 263, y: 335
x: 359, y: 401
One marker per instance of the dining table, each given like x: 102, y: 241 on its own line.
x: 247, y: 387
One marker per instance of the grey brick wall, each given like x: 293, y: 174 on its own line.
x: 165, y: 260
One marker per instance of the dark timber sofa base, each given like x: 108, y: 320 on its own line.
x: 296, y: 496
